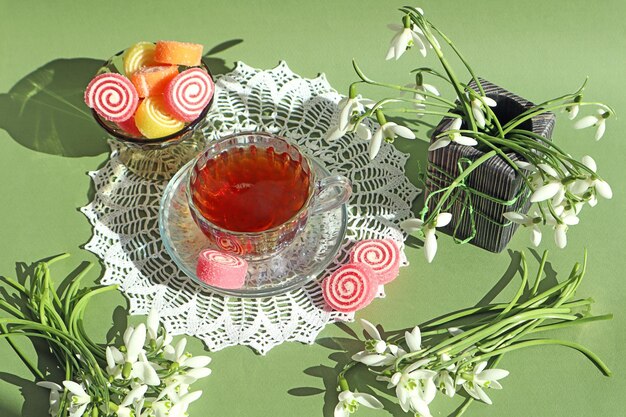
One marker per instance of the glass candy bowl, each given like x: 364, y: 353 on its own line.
x: 157, y: 158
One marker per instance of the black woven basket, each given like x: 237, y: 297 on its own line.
x: 494, y: 178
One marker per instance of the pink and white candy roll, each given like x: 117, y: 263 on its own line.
x: 350, y: 288
x: 382, y: 255
x: 189, y: 93
x: 112, y: 96
x: 221, y: 270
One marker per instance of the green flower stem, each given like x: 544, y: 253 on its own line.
x: 457, y: 181
x: 504, y: 156
x: 418, y: 20
x: 560, y: 155
x: 422, y: 111
x: 542, y: 264
x: 461, y: 57
x: 539, y: 138
x: 537, y: 111
x: 85, y: 353
x: 71, y: 291
x: 566, y: 324
x: 548, y: 313
x: 367, y: 80
x: 540, y: 342
x: 431, y: 72
x: 12, y: 310
x: 67, y: 351
x: 342, y: 382
x: 520, y: 290
x: 16, y: 285
x: 29, y: 364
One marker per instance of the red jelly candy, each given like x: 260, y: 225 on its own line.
x: 350, y: 288
x: 382, y: 255
x: 189, y: 93
x: 112, y: 96
x: 221, y: 270
x: 130, y: 127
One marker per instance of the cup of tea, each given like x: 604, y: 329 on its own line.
x: 252, y: 193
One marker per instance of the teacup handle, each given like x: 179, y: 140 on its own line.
x: 324, y: 199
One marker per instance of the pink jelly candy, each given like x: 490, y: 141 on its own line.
x: 112, y: 96
x: 382, y: 255
x: 221, y: 270
x: 188, y: 94
x: 350, y: 288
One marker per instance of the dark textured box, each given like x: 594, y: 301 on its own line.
x: 493, y: 178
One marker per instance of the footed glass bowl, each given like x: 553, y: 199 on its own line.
x: 158, y: 158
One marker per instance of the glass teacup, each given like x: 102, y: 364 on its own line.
x: 252, y: 193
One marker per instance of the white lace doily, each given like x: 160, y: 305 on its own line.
x: 125, y: 210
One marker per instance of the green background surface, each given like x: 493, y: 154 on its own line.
x: 538, y: 49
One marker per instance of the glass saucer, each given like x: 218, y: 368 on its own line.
x: 305, y: 258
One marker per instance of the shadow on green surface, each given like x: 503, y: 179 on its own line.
x: 360, y: 378
x: 45, y: 111
x: 363, y: 381
x: 36, y: 398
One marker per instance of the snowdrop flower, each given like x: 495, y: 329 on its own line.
x: 452, y: 135
x: 551, y: 187
x: 527, y: 221
x: 561, y: 227
x: 389, y: 130
x: 133, y: 397
x: 404, y: 39
x: 415, y: 388
x: 145, y: 371
x: 152, y: 331
x: 598, y: 186
x: 414, y: 339
x: 55, y: 396
x: 428, y: 230
x: 348, y: 109
x: 421, y: 87
x: 376, y: 351
x: 180, y: 408
x: 349, y: 403
x: 134, y: 339
x: 599, y: 121
x: 444, y: 380
x: 478, y: 107
x: 79, y: 400
x: 115, y: 361
x: 480, y: 378
x: 573, y: 107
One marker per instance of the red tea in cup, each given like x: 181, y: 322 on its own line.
x: 252, y: 193
x: 250, y: 189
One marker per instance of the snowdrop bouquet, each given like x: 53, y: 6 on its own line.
x: 460, y: 351
x: 147, y: 376
x: 559, y: 185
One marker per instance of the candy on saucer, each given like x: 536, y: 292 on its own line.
x: 382, y: 255
x: 221, y: 270
x: 178, y: 53
x: 153, y: 121
x: 112, y: 96
x: 138, y: 56
x: 189, y: 93
x: 350, y: 288
x: 152, y: 81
